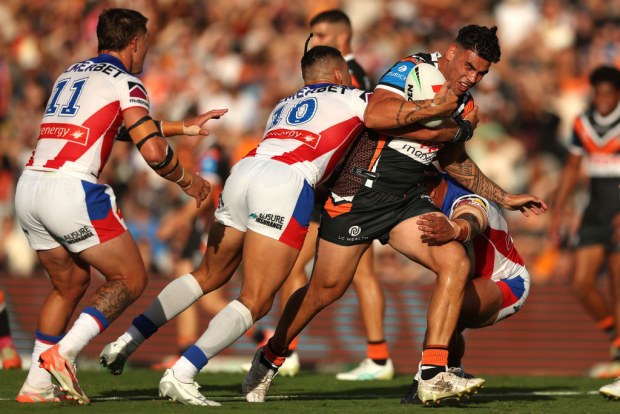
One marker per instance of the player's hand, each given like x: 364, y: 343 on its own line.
x: 199, y: 189
x: 197, y: 125
x: 436, y: 229
x: 472, y: 116
x: 525, y: 203
x: 445, y: 101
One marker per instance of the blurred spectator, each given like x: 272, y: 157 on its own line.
x: 244, y: 53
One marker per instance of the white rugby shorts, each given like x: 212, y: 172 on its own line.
x: 57, y: 209
x: 515, y: 291
x: 268, y: 197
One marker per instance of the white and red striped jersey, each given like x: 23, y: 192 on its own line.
x: 312, y: 129
x: 495, y: 255
x: 83, y: 115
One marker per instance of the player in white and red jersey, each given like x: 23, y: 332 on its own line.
x: 596, y: 142
x: 71, y: 221
x: 369, y: 202
x: 499, y: 283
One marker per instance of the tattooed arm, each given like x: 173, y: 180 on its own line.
x: 387, y: 110
x: 454, y: 160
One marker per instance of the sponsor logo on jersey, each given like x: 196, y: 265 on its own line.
x: 397, y: 75
x: 418, y: 152
x: 268, y: 219
x: 70, y: 132
x: 355, y: 231
x: 78, y: 235
x: 309, y: 138
x: 137, y: 93
x: 402, y: 68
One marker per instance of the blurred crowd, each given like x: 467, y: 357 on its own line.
x: 244, y: 55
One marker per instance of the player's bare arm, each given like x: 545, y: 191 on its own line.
x: 388, y: 110
x: 468, y: 221
x: 159, y: 155
x: 192, y: 126
x: 454, y: 160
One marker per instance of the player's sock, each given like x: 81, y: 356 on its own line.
x: 38, y: 377
x: 378, y: 351
x: 177, y: 296
x: 190, y: 364
x: 225, y: 328
x: 271, y: 357
x: 89, y: 324
x: 607, y: 325
x: 292, y: 347
x: 434, y: 361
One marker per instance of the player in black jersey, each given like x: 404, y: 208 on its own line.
x: 370, y: 203
x: 333, y: 28
x: 596, y: 140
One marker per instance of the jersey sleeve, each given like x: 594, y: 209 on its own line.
x: 394, y: 79
x: 132, y: 93
x: 471, y: 200
x: 359, y: 101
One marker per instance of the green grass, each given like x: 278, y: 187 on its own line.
x: 136, y: 392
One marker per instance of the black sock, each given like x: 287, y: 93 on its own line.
x: 381, y: 362
x: 429, y: 371
x: 5, y: 330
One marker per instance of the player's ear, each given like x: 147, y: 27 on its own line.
x: 451, y: 52
x: 338, y: 76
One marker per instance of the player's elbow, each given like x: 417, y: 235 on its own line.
x: 153, y: 154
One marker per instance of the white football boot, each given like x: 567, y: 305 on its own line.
x: 369, y: 370
x: 447, y: 385
x: 289, y: 368
x: 30, y: 394
x: 114, y: 355
x: 185, y: 393
x: 612, y: 390
x: 258, y: 379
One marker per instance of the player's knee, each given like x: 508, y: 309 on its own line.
x: 136, y: 285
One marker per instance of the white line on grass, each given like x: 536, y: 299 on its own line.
x: 343, y: 396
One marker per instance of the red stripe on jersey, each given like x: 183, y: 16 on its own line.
x: 336, y: 138
x: 108, y: 228
x: 485, y: 246
x: 354, y: 82
x: 611, y: 147
x: 336, y: 209
x: 98, y: 124
x: 294, y: 234
x: 108, y: 141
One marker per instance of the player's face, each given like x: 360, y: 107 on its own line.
x: 324, y: 34
x: 606, y: 98
x: 464, y: 69
x: 142, y: 45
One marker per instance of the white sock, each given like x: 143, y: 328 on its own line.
x: 225, y: 328
x: 37, y: 376
x: 81, y: 333
x: 184, y: 371
x: 177, y: 296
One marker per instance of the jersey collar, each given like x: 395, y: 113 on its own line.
x: 113, y: 60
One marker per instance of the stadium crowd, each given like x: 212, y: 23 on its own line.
x: 244, y: 55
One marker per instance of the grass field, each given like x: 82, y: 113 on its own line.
x: 136, y: 392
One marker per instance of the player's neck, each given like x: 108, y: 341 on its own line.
x: 120, y: 55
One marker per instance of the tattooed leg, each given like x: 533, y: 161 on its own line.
x: 112, y: 299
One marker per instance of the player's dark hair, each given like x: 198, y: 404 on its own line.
x: 331, y: 16
x: 481, y: 40
x: 606, y: 74
x: 116, y: 28
x: 319, y: 54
